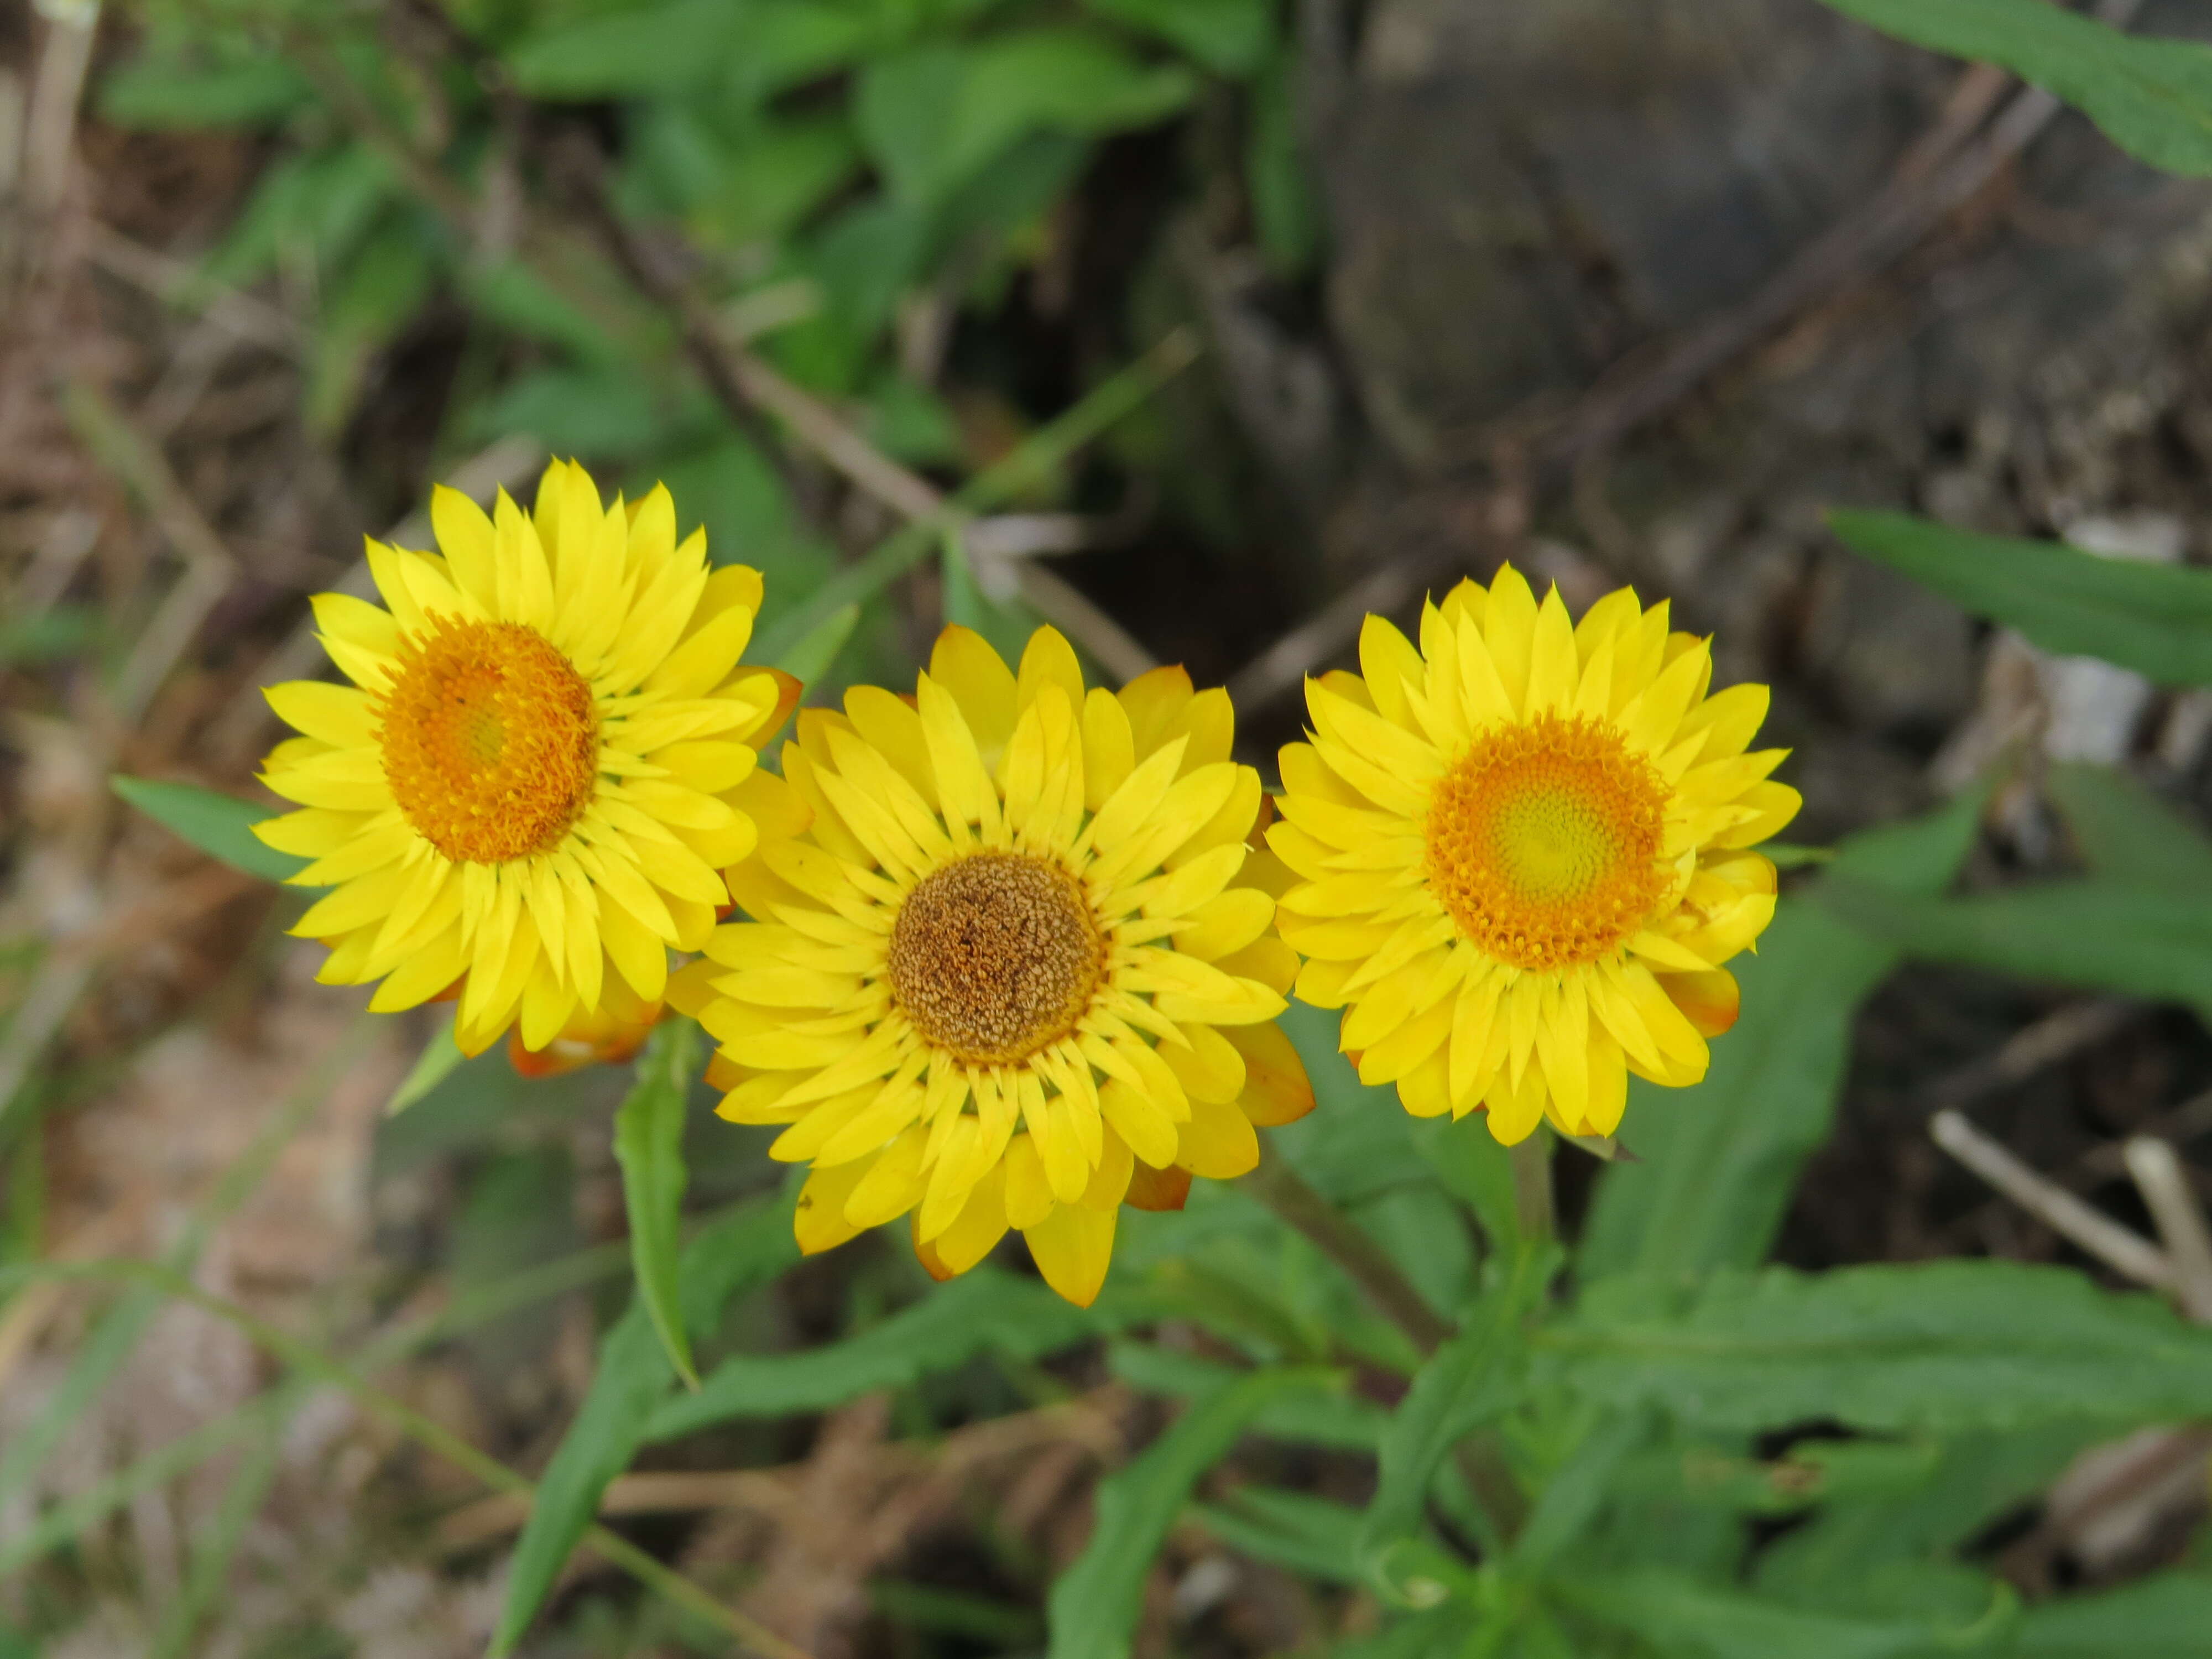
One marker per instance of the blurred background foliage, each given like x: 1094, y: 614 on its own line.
x: 823, y: 266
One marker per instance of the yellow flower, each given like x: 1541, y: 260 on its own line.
x: 1522, y: 847
x: 540, y: 766
x: 1016, y: 967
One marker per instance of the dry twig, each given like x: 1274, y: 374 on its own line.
x: 2121, y: 1249
x: 2173, y: 1205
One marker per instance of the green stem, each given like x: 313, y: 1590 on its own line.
x: 1287, y: 1192
x: 1532, y: 1188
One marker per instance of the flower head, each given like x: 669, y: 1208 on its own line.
x: 543, y: 761
x: 1012, y: 966
x: 1524, y: 852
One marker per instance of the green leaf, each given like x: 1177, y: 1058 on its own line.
x: 318, y: 203
x: 1293, y: 1529
x: 745, y: 1249
x: 632, y: 1379
x: 157, y: 95
x: 1575, y: 1492
x: 220, y: 825
x: 1092, y: 1610
x: 1230, y: 37
x: 383, y: 286
x: 2151, y: 96
x: 1278, y: 176
x: 2161, y: 1618
x: 934, y: 116
x: 1860, y: 1527
x: 658, y: 49
x: 1471, y: 1380
x: 1677, y: 1614
x: 1474, y: 1168
x: 1941, y: 1346
x: 811, y: 656
x: 2128, y: 833
x: 2153, y: 619
x: 649, y: 1146
x: 772, y: 183
x: 610, y: 411
x: 432, y: 1066
x: 1324, y: 1415
x: 983, y: 1310
x: 2101, y: 934
x: 1720, y: 1161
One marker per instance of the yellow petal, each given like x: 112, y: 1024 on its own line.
x: 893, y: 1184
x: 1276, y: 1088
x: 1073, y: 1246
x: 819, y: 1223
x: 964, y: 663
x: 1028, y: 1194
x: 1217, y: 1142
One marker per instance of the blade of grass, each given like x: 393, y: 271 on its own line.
x: 119, y: 1330
x: 261, y: 1416
x: 1035, y: 457
x: 310, y: 1361
x: 214, y: 1549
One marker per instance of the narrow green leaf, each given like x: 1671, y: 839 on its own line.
x: 2163, y: 1618
x: 1279, y: 173
x: 2128, y: 833
x: 1325, y: 1415
x: 1092, y: 1610
x: 1471, y: 1380
x: 1294, y: 1529
x: 2101, y: 934
x: 983, y: 1310
x: 1230, y: 37
x: 220, y: 825
x: 1870, y: 1518
x: 2153, y: 619
x: 1717, y: 1164
x: 1576, y: 1491
x: 1035, y: 457
x: 810, y: 657
x: 649, y: 1146
x: 740, y: 1251
x: 1678, y: 1615
x: 155, y: 94
x: 1942, y: 1347
x: 632, y: 1379
x: 659, y: 49
x: 2151, y: 96
x: 432, y: 1066
x: 936, y: 116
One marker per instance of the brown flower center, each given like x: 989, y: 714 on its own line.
x: 1543, y: 842
x: 995, y: 956
x: 491, y: 741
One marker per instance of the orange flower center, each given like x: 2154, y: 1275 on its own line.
x: 491, y: 740
x: 995, y: 956
x: 1543, y: 842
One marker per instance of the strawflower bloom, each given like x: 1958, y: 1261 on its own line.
x: 1523, y: 848
x: 527, y: 793
x: 1017, y: 969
